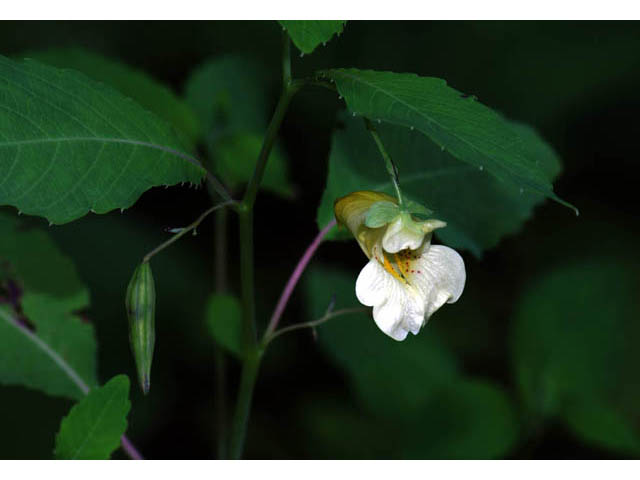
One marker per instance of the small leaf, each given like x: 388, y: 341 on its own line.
x: 381, y: 213
x: 308, y: 34
x: 224, y: 321
x: 70, y: 145
x: 468, y: 130
x: 93, y: 427
x: 134, y: 83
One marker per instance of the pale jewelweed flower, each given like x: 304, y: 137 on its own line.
x: 407, y: 279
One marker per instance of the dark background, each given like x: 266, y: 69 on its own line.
x: 576, y: 82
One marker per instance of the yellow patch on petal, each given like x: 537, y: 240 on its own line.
x: 351, y: 211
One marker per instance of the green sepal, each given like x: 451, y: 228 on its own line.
x: 381, y: 213
x: 418, y: 210
x: 141, y: 310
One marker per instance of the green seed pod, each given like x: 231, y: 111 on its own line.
x: 141, y: 310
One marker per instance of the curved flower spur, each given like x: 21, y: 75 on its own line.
x: 407, y: 278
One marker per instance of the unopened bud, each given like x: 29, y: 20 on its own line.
x: 141, y: 310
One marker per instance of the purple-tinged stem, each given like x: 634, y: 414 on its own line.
x: 130, y: 448
x: 295, y: 276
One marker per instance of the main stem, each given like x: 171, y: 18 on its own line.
x: 252, y: 350
x: 220, y: 268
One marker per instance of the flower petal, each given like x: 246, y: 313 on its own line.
x: 439, y: 275
x: 397, y: 309
x: 400, y: 236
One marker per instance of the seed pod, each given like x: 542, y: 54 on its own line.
x: 141, y: 310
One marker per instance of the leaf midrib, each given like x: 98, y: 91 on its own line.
x: 95, y: 425
x: 126, y: 141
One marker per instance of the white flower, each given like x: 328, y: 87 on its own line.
x: 407, y: 279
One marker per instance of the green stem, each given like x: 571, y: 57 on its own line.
x: 248, y: 377
x: 388, y: 161
x: 245, y: 219
x: 252, y: 351
x: 187, y: 229
x: 220, y: 268
x: 269, y: 139
x: 312, y: 324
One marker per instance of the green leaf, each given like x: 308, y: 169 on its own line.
x: 413, y: 385
x: 224, y: 321
x: 381, y: 213
x: 478, y: 208
x: 470, y: 419
x: 134, y: 83
x: 30, y: 257
x: 574, y: 348
x: 468, y: 130
x: 602, y: 425
x: 69, y: 145
x: 308, y: 34
x: 236, y: 157
x: 93, y: 428
x: 46, y: 346
x: 230, y: 95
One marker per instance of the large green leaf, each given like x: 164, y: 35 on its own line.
x: 308, y: 34
x: 43, y: 344
x: 478, y: 208
x: 575, y: 352
x: 93, y: 428
x: 414, y: 385
x: 134, y: 83
x: 467, y: 129
x: 230, y: 95
x: 69, y: 145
